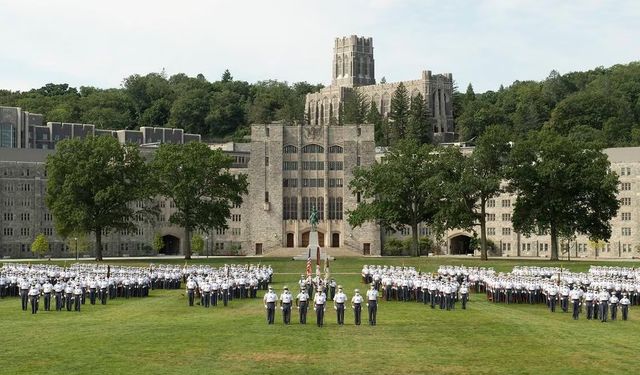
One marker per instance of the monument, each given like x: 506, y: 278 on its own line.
x: 313, y: 249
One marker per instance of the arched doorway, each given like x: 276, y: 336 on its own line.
x: 305, y: 239
x: 171, y: 245
x: 460, y: 245
x: 335, y: 239
x: 289, y: 239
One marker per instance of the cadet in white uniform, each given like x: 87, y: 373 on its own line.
x: 624, y: 306
x: 372, y: 303
x: 286, y: 300
x: 338, y: 304
x: 270, y: 299
x: 319, y: 301
x: 356, y: 304
x: 302, y: 302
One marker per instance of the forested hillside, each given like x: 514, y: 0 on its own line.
x: 214, y: 109
x: 600, y: 105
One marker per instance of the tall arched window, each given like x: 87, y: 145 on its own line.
x: 312, y: 149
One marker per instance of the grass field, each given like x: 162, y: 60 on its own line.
x: 162, y: 335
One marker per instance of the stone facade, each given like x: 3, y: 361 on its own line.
x: 624, y: 241
x: 353, y: 69
x: 293, y: 169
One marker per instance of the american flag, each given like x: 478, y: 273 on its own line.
x: 309, y: 263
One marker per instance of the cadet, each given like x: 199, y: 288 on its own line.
x: 24, y: 293
x: 604, y: 300
x: 372, y: 303
x: 588, y: 299
x: 77, y: 295
x: 332, y: 289
x: 191, y: 287
x: 58, y: 288
x: 225, y: 293
x: 356, y: 304
x: 464, y: 291
x: 270, y: 299
x: 34, y: 293
x: 285, y: 304
x: 93, y: 286
x: 302, y: 302
x: 613, y: 302
x: 46, y: 289
x: 624, y: 306
x: 104, y: 285
x: 68, y: 291
x: 338, y: 304
x: 206, y: 294
x: 215, y: 287
x: 319, y: 300
x: 575, y: 298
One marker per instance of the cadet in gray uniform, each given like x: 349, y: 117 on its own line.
x: 338, y: 304
x: 372, y: 303
x: 270, y: 299
x: 286, y: 299
x: 356, y: 304
x: 319, y: 301
x: 302, y: 302
x: 624, y: 306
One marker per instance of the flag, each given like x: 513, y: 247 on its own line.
x: 326, y: 268
x: 309, y: 264
x: 108, y: 271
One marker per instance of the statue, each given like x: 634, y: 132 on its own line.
x: 313, y: 219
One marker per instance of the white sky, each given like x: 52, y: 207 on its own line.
x: 487, y: 43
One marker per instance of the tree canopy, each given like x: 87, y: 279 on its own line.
x: 92, y: 186
x: 562, y: 187
x: 198, y: 181
x: 402, y: 190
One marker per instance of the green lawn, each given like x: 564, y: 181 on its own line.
x: 162, y: 335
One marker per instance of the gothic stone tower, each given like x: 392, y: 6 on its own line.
x: 353, y: 63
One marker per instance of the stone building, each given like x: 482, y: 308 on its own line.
x: 624, y: 241
x: 354, y: 69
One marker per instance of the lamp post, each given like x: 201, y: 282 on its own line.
x: 76, y: 240
x: 206, y: 244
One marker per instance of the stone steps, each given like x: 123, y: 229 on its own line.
x: 290, y: 252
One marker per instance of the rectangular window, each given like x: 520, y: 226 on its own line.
x: 266, y: 197
x: 8, y: 231
x: 266, y: 161
x: 625, y: 201
x: 335, y: 165
x: 290, y: 165
x: 506, y: 217
x: 8, y: 216
x: 506, y: 231
x: 358, y: 161
x: 625, y: 186
x: 626, y: 216
x: 491, y: 231
x: 335, y: 208
x: 491, y: 203
x: 506, y: 203
x: 335, y: 182
x: 491, y: 217
x: 626, y: 231
x: 24, y: 231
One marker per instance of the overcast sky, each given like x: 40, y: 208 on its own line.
x: 487, y: 43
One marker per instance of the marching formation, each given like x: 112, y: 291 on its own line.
x: 213, y: 285
x: 70, y: 287
x: 600, y: 293
x: 399, y: 283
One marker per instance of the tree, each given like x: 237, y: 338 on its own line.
x: 418, y: 124
x: 197, y: 243
x: 563, y: 187
x: 374, y: 117
x: 226, y: 76
x: 158, y: 242
x: 471, y: 181
x: 355, y: 108
x: 77, y: 241
x: 402, y: 190
x: 92, y: 185
x: 399, y: 113
x: 40, y: 245
x: 197, y: 178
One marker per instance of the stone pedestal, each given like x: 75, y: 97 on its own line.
x: 313, y: 248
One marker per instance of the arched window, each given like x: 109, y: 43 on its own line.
x: 335, y: 150
x: 312, y: 149
x: 290, y: 149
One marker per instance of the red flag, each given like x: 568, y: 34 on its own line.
x: 309, y: 264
